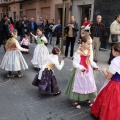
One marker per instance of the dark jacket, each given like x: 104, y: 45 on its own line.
x: 46, y: 29
x: 101, y: 28
x: 59, y: 29
x: 7, y: 31
x: 25, y: 28
x: 2, y: 32
x: 35, y: 27
x: 75, y: 29
x: 51, y: 26
x: 17, y: 26
x: 5, y: 28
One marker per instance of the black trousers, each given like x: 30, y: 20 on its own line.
x: 47, y: 39
x: 111, y: 55
x: 58, y: 39
x: 70, y: 40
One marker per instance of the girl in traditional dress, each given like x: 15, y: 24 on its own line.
x: 13, y: 59
x: 46, y: 80
x: 107, y: 103
x: 41, y: 52
x: 81, y: 86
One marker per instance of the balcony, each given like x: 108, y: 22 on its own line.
x: 4, y: 3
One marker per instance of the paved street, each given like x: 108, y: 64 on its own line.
x: 19, y: 100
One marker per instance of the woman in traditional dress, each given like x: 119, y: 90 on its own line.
x: 41, y: 52
x: 13, y: 59
x: 46, y: 80
x: 107, y: 103
x: 81, y: 86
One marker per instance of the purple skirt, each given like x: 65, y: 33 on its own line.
x: 47, y: 84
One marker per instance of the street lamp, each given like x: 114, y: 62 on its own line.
x: 63, y: 23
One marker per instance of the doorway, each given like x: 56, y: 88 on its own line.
x: 14, y: 15
x: 31, y: 13
x: 86, y: 12
x: 45, y: 12
x: 60, y: 12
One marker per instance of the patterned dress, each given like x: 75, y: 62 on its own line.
x: 46, y: 80
x: 40, y: 53
x: 13, y: 59
x: 81, y: 85
x: 107, y: 103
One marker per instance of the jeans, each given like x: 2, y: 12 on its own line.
x: 50, y: 37
x: 58, y: 39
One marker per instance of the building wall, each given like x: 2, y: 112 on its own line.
x: 39, y: 6
x: 2, y: 12
x: 37, y: 9
x: 14, y: 8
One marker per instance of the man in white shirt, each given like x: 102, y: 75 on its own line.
x: 115, y: 30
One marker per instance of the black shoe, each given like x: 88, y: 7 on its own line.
x: 57, y: 93
x: 95, y: 61
x: 64, y: 57
x: 108, y: 62
x: 71, y: 58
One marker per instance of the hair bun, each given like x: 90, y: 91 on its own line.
x: 12, y: 33
x: 55, y: 50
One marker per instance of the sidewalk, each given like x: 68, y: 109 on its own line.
x: 21, y: 101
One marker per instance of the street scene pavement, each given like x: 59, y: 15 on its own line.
x: 20, y: 100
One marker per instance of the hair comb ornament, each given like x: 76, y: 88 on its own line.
x: 56, y: 51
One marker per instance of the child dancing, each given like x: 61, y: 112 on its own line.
x: 46, y: 80
x: 41, y: 52
x: 107, y: 103
x: 13, y: 59
x: 81, y: 86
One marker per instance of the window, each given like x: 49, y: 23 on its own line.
x: 8, y: 8
x: 21, y: 6
x: 21, y: 13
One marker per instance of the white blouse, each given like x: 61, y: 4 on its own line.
x: 115, y: 65
x: 19, y: 47
x: 77, y: 59
x: 51, y: 59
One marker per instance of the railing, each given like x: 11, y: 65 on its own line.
x: 10, y: 1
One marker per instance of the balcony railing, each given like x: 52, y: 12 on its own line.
x: 4, y: 3
x: 9, y: 2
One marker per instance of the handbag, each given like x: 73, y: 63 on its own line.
x: 114, y: 38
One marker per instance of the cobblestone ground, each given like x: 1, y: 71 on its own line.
x: 19, y: 100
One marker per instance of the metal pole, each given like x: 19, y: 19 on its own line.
x: 63, y: 23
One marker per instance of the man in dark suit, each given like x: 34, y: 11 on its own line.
x: 97, y: 34
x: 24, y: 27
x: 4, y: 31
x: 33, y: 28
x: 17, y: 25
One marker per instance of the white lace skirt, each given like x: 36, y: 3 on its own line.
x: 13, y: 61
x: 40, y: 55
